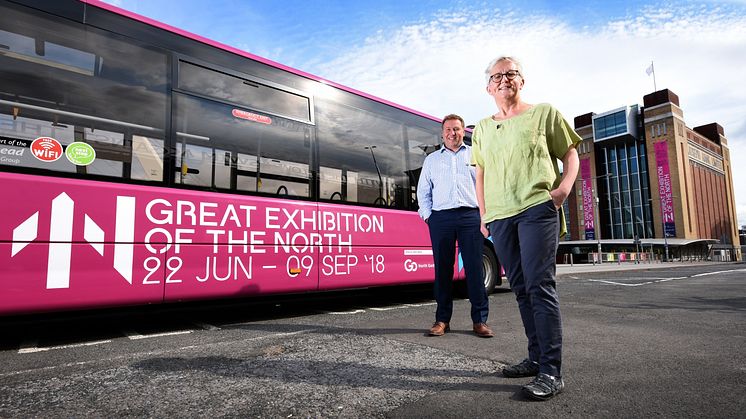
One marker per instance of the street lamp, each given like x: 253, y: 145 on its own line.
x: 665, y: 233
x: 380, y: 179
x: 596, y: 210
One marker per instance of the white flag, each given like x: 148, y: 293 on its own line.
x: 649, y: 70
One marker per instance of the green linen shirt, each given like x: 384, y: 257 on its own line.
x: 519, y: 157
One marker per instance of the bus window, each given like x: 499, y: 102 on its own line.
x: 18, y: 132
x: 147, y: 158
x: 224, y: 147
x: 110, y: 151
x: 248, y: 164
x: 243, y: 91
x: 61, y: 80
x: 48, y: 53
x: 195, y: 164
x: 283, y: 177
x: 365, y: 164
x: 330, y: 181
x: 421, y: 142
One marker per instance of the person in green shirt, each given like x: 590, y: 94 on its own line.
x: 520, y: 192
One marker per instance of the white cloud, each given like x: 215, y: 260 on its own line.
x: 437, y: 66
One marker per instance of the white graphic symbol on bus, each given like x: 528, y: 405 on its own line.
x: 410, y: 265
x: 61, y: 232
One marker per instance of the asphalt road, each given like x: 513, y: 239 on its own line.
x: 645, y: 343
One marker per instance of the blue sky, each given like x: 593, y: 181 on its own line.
x: 429, y: 55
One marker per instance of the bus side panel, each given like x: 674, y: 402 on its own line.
x: 27, y: 286
x: 374, y: 266
x: 240, y: 245
x: 160, y: 238
x: 377, y: 247
x: 236, y: 270
x: 115, y: 244
x: 58, y: 249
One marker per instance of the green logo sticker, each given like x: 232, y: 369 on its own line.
x: 80, y: 153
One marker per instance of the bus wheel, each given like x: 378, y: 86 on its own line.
x: 490, y: 269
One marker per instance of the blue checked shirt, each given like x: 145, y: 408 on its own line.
x: 447, y: 181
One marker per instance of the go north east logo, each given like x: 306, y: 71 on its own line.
x: 61, y: 232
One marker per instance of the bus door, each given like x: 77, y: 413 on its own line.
x: 251, y: 140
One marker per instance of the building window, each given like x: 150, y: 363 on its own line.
x: 610, y: 125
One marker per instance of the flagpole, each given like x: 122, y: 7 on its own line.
x: 655, y: 87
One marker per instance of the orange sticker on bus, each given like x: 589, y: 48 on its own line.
x: 251, y: 116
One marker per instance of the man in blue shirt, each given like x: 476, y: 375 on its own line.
x: 448, y: 203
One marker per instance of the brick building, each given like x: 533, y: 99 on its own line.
x: 643, y: 172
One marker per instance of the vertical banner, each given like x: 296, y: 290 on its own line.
x: 664, y: 188
x: 588, y: 214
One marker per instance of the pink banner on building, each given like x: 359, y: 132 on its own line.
x: 664, y: 188
x: 588, y: 218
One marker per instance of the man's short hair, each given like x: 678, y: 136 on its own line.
x: 450, y: 117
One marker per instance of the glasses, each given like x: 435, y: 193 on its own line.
x: 510, y: 75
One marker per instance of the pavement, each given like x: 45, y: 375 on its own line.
x: 667, y: 348
x: 663, y: 349
x: 579, y: 268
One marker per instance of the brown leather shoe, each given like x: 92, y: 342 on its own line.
x: 439, y: 329
x: 482, y: 330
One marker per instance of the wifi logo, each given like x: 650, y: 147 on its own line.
x: 46, y: 149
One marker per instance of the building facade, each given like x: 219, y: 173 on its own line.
x: 645, y: 175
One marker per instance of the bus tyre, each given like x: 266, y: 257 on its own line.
x: 490, y: 269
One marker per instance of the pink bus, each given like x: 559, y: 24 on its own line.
x: 142, y: 164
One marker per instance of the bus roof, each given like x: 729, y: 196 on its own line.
x: 202, y: 39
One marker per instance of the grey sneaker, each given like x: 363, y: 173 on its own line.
x: 526, y: 368
x: 544, y: 387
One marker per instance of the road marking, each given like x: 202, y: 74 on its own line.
x: 399, y: 307
x: 632, y: 285
x: 206, y: 326
x: 421, y: 305
x: 658, y: 280
x: 30, y: 350
x: 137, y: 336
x: 720, y: 272
x: 149, y: 353
x: 388, y: 308
x: 358, y: 311
x: 27, y: 344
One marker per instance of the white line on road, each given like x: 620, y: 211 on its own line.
x: 358, y: 311
x: 720, y: 272
x: 632, y: 285
x: 421, y: 305
x: 399, y: 307
x: 28, y: 344
x: 149, y: 354
x: 657, y: 280
x: 31, y: 350
x: 136, y: 336
x: 388, y: 308
x: 206, y: 326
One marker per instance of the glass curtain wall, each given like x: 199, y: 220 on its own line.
x: 624, y: 193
